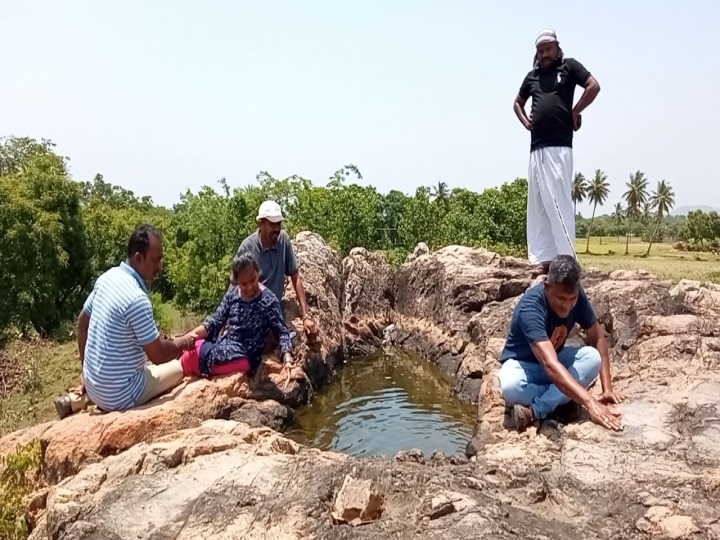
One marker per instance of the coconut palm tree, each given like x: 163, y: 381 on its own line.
x: 579, y: 190
x: 647, y: 214
x: 635, y: 198
x: 618, y: 216
x: 662, y: 200
x: 441, y: 193
x: 597, y: 193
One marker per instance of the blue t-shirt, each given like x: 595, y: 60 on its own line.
x: 533, y: 321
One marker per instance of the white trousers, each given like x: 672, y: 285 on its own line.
x: 550, y: 216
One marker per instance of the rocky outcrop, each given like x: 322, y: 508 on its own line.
x: 218, y: 471
x: 226, y: 480
x: 454, y: 306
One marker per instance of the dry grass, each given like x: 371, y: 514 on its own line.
x: 608, y: 253
x: 48, y: 369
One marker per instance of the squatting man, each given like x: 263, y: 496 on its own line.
x: 539, y: 373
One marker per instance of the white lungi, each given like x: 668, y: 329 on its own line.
x: 550, y: 215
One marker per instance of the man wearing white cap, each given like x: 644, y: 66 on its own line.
x: 553, y: 119
x: 274, y: 253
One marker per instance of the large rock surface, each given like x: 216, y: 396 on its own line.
x: 214, y: 471
x: 226, y: 480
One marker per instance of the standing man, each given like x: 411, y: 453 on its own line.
x: 272, y: 249
x: 552, y: 121
x: 117, y: 334
x: 539, y: 372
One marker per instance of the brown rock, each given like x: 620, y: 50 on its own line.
x: 368, y: 291
x: 452, y: 306
x: 676, y: 527
x: 321, y: 270
x: 357, y: 502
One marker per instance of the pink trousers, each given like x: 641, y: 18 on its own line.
x: 190, y: 361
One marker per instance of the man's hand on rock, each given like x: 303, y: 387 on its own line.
x: 309, y: 326
x: 610, y: 397
x: 604, y: 416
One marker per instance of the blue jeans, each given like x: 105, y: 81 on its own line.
x: 527, y: 383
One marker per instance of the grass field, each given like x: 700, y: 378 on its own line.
x: 608, y: 253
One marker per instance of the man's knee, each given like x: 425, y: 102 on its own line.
x: 511, y: 386
x: 587, y: 363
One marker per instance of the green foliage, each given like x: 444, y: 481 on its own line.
x: 702, y: 229
x: 57, y: 236
x: 209, y: 227
x: 42, y: 239
x: 17, y: 481
x: 163, y: 320
x: 395, y: 257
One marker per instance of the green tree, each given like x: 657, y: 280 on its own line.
x: 419, y: 220
x: 702, y: 227
x: 662, y: 201
x: 579, y: 190
x: 618, y: 216
x: 597, y: 193
x: 393, y: 206
x: 45, y: 260
x: 356, y: 212
x: 209, y: 227
x: 440, y: 194
x: 635, y: 198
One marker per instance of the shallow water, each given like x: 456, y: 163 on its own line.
x: 379, y: 405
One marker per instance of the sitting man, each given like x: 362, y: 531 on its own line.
x: 116, y: 331
x: 538, y: 372
x: 272, y: 249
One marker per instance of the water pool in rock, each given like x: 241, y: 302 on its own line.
x: 381, y: 404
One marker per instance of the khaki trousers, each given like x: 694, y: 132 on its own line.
x: 159, y: 378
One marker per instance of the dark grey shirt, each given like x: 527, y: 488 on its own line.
x: 275, y: 262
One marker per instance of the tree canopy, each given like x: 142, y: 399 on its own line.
x: 58, y: 235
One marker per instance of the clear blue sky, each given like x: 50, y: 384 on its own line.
x: 161, y: 96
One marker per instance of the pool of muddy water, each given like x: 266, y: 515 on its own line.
x: 379, y: 405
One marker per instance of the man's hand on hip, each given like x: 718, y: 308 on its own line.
x: 577, y: 120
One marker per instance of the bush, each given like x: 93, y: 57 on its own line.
x: 162, y: 318
x: 19, y: 479
x: 395, y: 257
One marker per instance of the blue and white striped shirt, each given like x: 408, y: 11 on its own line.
x: 121, y: 323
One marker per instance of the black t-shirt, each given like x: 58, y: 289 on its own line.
x: 553, y: 91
